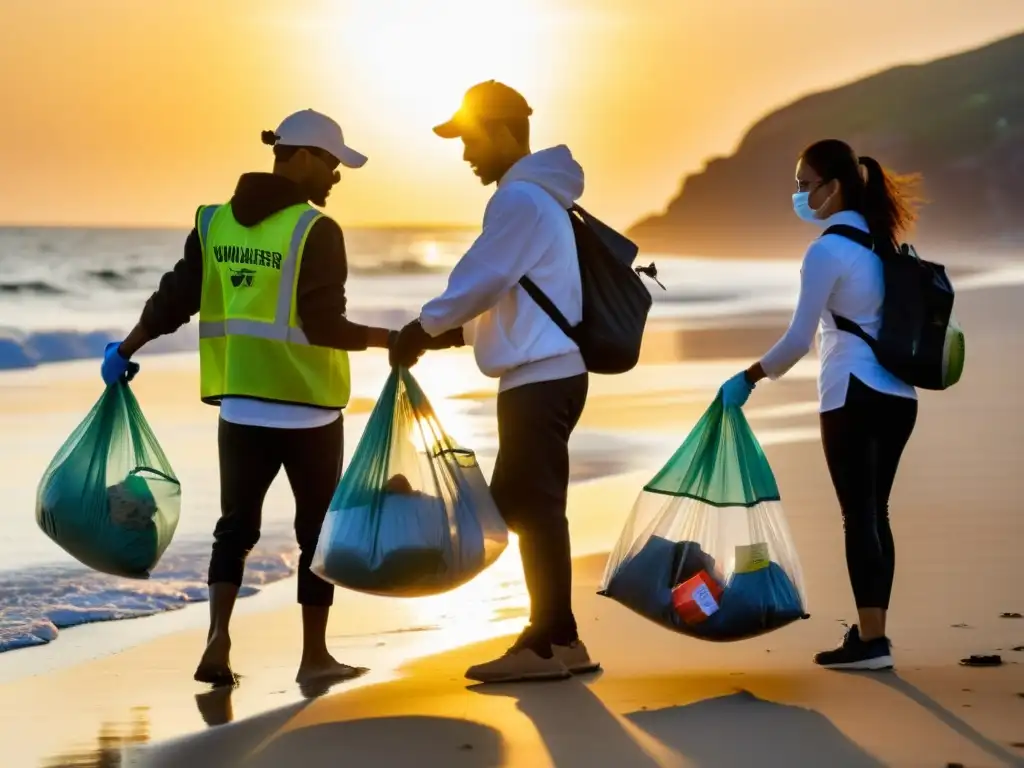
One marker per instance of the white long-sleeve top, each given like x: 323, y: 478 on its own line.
x: 526, y: 231
x: 839, y: 276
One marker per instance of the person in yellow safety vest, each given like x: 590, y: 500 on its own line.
x: 266, y: 272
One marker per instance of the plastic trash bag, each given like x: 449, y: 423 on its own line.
x: 413, y: 514
x: 110, y: 498
x: 706, y: 550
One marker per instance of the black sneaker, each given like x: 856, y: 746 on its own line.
x: 855, y: 653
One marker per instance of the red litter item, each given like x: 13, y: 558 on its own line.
x: 697, y: 598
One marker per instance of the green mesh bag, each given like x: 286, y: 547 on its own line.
x: 109, y: 497
x: 706, y: 550
x: 413, y: 514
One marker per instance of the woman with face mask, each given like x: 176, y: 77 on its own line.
x: 866, y: 413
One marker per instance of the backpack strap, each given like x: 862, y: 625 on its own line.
x: 548, y: 306
x: 862, y: 238
x: 541, y: 298
x: 859, y: 236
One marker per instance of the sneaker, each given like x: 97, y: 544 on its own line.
x: 854, y: 632
x: 855, y: 653
x: 575, y: 657
x: 519, y: 664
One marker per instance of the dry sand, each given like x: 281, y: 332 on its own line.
x: 662, y: 699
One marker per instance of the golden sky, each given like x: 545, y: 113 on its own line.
x: 134, y: 112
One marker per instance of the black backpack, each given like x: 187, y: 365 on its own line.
x: 919, y: 340
x: 615, y: 300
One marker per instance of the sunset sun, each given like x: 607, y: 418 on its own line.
x: 420, y: 57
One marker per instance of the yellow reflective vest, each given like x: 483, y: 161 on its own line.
x: 251, y: 342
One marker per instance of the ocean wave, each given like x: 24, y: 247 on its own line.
x: 35, y: 603
x: 21, y: 349
x: 27, y: 350
x: 117, y: 279
x: 101, y: 303
x: 31, y: 288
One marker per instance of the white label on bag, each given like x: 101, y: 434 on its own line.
x: 705, y: 600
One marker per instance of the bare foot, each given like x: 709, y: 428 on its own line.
x: 324, y: 669
x: 215, y: 666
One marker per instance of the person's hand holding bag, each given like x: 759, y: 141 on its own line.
x: 736, y: 390
x: 115, y: 367
x: 412, y: 341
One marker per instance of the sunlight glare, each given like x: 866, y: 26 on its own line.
x: 485, y: 606
x: 422, y: 56
x: 427, y: 253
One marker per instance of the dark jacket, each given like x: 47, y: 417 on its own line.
x: 322, y: 275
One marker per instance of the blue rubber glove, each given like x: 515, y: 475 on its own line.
x: 115, y: 367
x: 736, y: 390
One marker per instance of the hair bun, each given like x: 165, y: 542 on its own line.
x: 270, y: 138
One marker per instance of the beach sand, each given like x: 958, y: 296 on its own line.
x: 662, y: 699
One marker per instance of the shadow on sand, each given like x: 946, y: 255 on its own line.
x: 948, y: 719
x: 741, y: 729
x: 726, y: 731
x: 419, y: 720
x: 424, y: 742
x: 575, y: 725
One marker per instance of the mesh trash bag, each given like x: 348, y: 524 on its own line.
x: 110, y: 498
x: 706, y: 550
x: 413, y: 514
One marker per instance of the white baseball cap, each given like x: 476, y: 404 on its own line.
x: 312, y: 129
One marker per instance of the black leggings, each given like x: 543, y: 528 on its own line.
x: 863, y: 443
x: 250, y: 458
x: 530, y: 485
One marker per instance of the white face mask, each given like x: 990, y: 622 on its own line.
x: 803, y: 209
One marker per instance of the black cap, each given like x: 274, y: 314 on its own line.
x: 485, y: 101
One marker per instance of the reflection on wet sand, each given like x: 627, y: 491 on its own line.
x: 313, y: 689
x: 111, y: 744
x: 215, y: 705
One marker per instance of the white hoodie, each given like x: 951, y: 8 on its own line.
x: 526, y: 231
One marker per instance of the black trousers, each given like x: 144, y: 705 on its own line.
x: 250, y: 458
x: 530, y: 485
x: 863, y: 443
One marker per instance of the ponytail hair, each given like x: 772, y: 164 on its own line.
x: 887, y: 201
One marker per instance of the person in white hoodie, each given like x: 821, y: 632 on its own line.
x: 542, y: 377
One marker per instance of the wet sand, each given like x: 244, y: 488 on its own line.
x: 662, y: 699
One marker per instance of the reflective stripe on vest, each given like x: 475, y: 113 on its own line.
x: 279, y: 329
